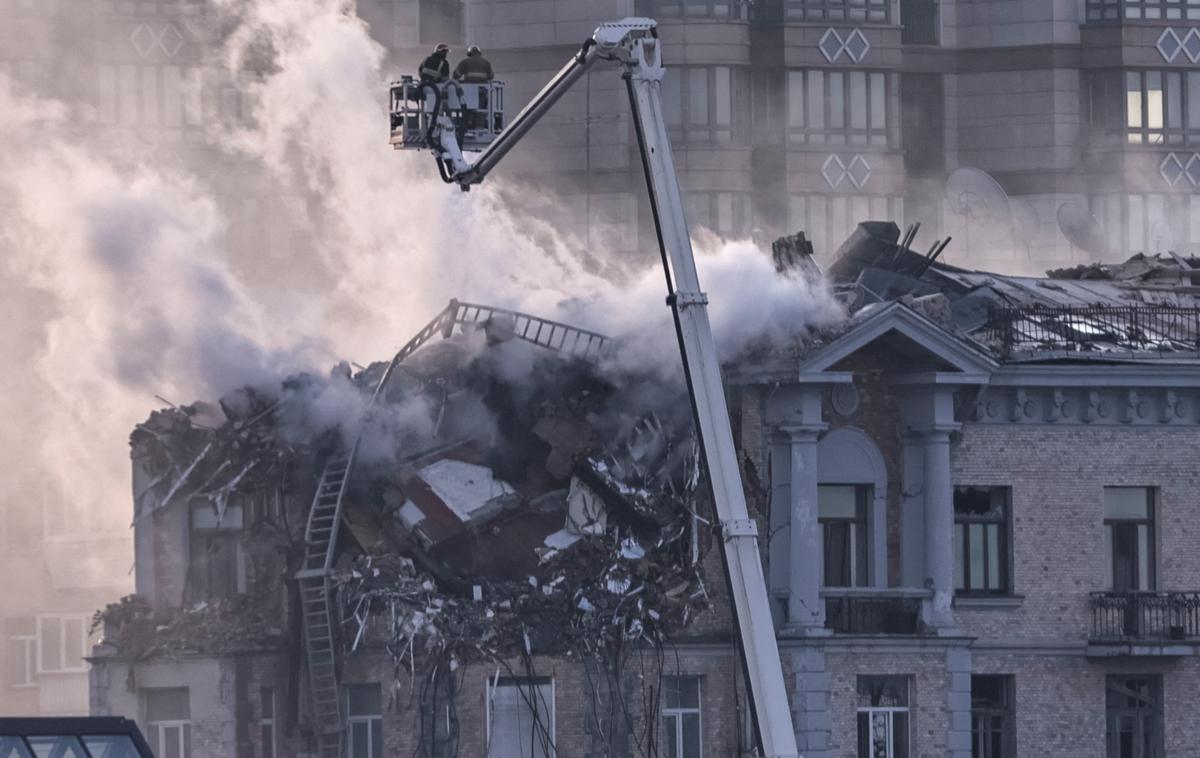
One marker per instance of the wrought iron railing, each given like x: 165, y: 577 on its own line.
x: 1145, y: 616
x: 880, y: 613
x: 1141, y: 328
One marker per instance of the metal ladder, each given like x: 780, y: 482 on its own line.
x: 320, y: 541
x: 325, y: 516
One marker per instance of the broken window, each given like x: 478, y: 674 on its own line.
x: 266, y: 722
x: 1129, y: 537
x: 364, y: 721
x: 843, y: 518
x: 839, y: 108
x: 216, y: 559
x: 1135, y: 716
x: 981, y: 555
x: 62, y: 643
x: 681, y: 717
x: 168, y: 721
x: 992, y: 718
x: 883, y: 717
x: 520, y: 718
x: 22, y: 652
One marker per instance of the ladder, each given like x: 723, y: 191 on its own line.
x: 320, y: 542
x: 325, y: 516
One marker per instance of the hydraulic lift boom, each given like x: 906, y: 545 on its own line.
x: 633, y: 44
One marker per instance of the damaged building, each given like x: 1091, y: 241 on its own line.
x: 976, y: 497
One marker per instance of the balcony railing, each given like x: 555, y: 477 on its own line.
x: 1145, y: 616
x: 875, y: 611
x: 1158, y: 328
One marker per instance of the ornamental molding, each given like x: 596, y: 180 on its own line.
x: 1085, y: 406
x: 838, y: 169
x: 851, y: 43
x: 1173, y: 43
x: 146, y: 39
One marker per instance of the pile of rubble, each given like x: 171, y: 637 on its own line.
x: 507, y: 499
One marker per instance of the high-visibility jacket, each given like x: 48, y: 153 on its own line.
x: 435, y: 68
x: 474, y: 68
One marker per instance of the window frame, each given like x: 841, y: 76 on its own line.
x: 156, y: 730
x: 834, y: 129
x: 200, y: 571
x: 374, y: 722
x: 28, y: 643
x: 734, y: 10
x: 1007, y: 712
x: 676, y: 714
x: 492, y: 685
x: 686, y: 127
x: 267, y: 724
x: 64, y: 654
x: 890, y: 712
x: 838, y: 11
x: 1148, y: 10
x: 1150, y: 522
x: 962, y: 539
x: 863, y: 496
x: 1113, y: 713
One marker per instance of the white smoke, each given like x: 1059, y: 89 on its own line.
x: 125, y: 291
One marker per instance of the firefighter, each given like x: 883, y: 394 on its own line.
x: 474, y: 68
x: 436, y: 69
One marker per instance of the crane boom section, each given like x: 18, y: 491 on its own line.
x: 634, y: 44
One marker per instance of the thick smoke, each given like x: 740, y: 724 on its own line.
x: 118, y: 287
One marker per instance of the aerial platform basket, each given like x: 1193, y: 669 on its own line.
x: 475, y: 108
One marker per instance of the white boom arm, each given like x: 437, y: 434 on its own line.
x: 634, y: 43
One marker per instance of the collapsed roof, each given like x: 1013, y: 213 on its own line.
x: 507, y: 481
x: 1145, y: 308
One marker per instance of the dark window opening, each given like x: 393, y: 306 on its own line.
x: 883, y: 714
x: 1135, y: 716
x: 923, y: 122
x: 992, y: 717
x: 842, y: 514
x: 919, y: 22
x: 1129, y: 530
x: 215, y: 552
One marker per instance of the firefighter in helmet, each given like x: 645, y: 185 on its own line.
x: 436, y: 69
x: 474, y: 68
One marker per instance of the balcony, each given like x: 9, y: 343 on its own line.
x: 873, y: 611
x: 1144, y: 624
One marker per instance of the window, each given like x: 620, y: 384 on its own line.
x: 364, y: 721
x: 168, y: 721
x: 919, y: 22
x: 216, y: 552
x: 1129, y: 534
x: 1146, y: 107
x: 266, y: 721
x: 992, y: 718
x: 874, y: 11
x: 62, y: 643
x: 731, y: 9
x: 843, y: 518
x: 520, y: 717
x: 167, y: 96
x: 726, y: 213
x: 883, y: 717
x: 1112, y: 10
x: 699, y: 100
x: 923, y: 122
x: 829, y: 219
x: 22, y: 651
x: 681, y: 717
x: 838, y: 107
x: 1151, y: 222
x: 981, y: 540
x: 1134, y: 715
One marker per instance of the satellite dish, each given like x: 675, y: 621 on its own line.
x: 1024, y: 224
x: 979, y: 200
x: 1082, y: 229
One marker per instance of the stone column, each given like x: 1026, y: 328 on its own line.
x: 939, y: 525
x: 806, y: 610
